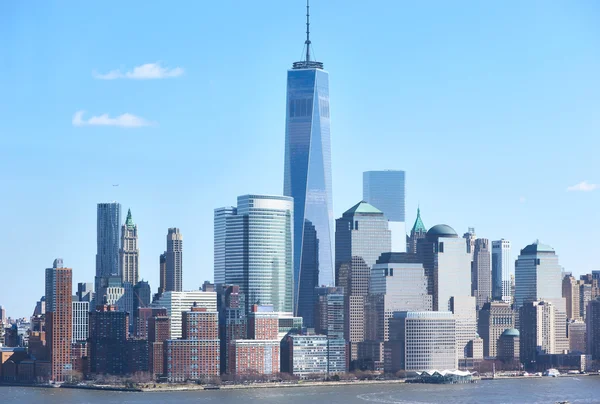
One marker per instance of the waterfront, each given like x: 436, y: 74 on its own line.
x: 584, y: 389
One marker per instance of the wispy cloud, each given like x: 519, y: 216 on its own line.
x: 142, y: 72
x: 583, y: 186
x: 124, y: 121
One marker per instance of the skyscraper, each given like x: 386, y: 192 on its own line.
x: 108, y: 222
x: 570, y: 291
x: 361, y: 236
x: 537, y: 328
x: 386, y: 191
x: 59, y: 319
x: 258, y: 249
x: 593, y: 328
x: 494, y: 318
x: 174, y: 258
x: 129, y: 253
x: 447, y: 265
x: 501, y: 273
x: 417, y: 232
x: 481, y: 272
x: 307, y: 163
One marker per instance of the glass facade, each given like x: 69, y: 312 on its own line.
x: 501, y: 271
x: 307, y: 167
x: 108, y: 238
x: 309, y: 276
x: 256, y: 239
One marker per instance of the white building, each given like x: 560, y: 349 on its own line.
x: 465, y: 314
x: 501, y: 271
x: 81, y: 321
x: 178, y: 302
x: 421, y: 341
x: 307, y: 354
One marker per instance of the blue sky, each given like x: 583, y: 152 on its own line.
x: 491, y: 108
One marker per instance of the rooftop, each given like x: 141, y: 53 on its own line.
x: 419, y: 227
x: 363, y: 208
x: 440, y: 230
x: 536, y: 248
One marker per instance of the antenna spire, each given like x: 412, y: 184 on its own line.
x: 307, y: 31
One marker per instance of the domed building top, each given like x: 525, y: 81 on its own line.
x: 511, y: 332
x: 536, y: 248
x: 440, y: 230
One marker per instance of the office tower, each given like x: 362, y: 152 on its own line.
x: 159, y: 330
x: 465, y: 315
x: 418, y: 231
x: 415, y: 336
x: 447, y: 265
x: 81, y: 328
x: 329, y: 311
x: 174, y: 264
x: 2, y: 316
x: 509, y: 346
x: 231, y: 305
x: 259, y: 249
x: 494, y: 318
x: 108, y: 340
x: 398, y: 283
x: 197, y: 354
x: 481, y: 272
x: 570, y: 291
x: 538, y: 277
x: 576, y: 331
x: 220, y: 239
x: 85, y: 292
x: 386, y: 191
x: 361, y: 236
x: 501, y: 271
x: 59, y: 319
x: 309, y: 276
x: 593, y: 328
x: 129, y: 252
x: 162, y: 288
x: 305, y: 355
x: 107, y: 242
x: 177, y: 302
x: 537, y: 330
x: 470, y: 238
x: 307, y: 162
x: 588, y: 290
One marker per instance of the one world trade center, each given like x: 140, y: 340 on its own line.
x: 307, y: 178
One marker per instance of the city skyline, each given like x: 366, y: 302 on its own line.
x: 520, y: 206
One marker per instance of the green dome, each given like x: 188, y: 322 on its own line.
x: 537, y: 247
x: 440, y: 230
x: 510, y: 332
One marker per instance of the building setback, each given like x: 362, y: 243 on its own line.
x: 59, y: 319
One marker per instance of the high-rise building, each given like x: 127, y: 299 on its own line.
x: 398, y: 283
x: 174, y: 258
x: 386, y: 191
x: 577, y: 333
x: 421, y: 341
x: 592, y: 321
x: 509, y: 346
x: 177, y: 302
x: 447, y: 265
x: 232, y: 319
x: 305, y: 355
x: 481, y: 272
x: 162, y: 288
x: 250, y: 356
x: 59, y: 319
x: 81, y: 320
x: 263, y: 323
x: 538, y: 276
x: 258, y: 249
x: 465, y: 315
x: 361, y: 236
x: 108, y: 340
x: 107, y: 241
x: 129, y: 252
x: 307, y: 163
x: 470, y: 238
x: 309, y: 276
x: 141, y: 298
x: 570, y: 291
x: 537, y: 328
x: 2, y: 316
x: 494, y: 318
x: 418, y: 231
x: 329, y: 321
x: 220, y: 242
x: 85, y: 292
x: 159, y: 330
x: 501, y: 271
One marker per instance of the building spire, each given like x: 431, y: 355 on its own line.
x: 307, y: 43
x: 129, y: 221
x: 419, y: 226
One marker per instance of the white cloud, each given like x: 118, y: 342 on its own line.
x: 124, y: 121
x: 583, y: 186
x: 142, y: 72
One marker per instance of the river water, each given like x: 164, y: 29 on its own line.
x: 583, y: 389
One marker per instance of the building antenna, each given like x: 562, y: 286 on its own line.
x: 307, y: 31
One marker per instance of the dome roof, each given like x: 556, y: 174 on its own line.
x: 440, y: 230
x: 510, y: 332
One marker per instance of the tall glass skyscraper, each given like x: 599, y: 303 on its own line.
x: 386, y: 191
x: 307, y: 166
x: 108, y: 238
x: 501, y: 265
x: 256, y: 249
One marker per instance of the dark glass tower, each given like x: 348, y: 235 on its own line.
x: 309, y: 276
x: 307, y: 164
